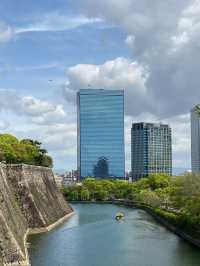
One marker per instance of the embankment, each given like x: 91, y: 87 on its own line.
x: 29, y: 203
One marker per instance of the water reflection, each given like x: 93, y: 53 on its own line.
x: 92, y: 237
x: 101, y: 169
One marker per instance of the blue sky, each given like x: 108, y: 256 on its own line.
x: 49, y: 49
x: 34, y: 56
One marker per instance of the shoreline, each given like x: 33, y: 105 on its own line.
x: 160, y: 219
x: 41, y: 230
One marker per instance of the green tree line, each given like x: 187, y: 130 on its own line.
x: 176, y: 198
x: 28, y: 151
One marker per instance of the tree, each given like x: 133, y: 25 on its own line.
x: 158, y: 181
x: 25, y: 151
x: 150, y: 198
x: 74, y: 195
x: 101, y: 195
x: 37, y: 154
x: 8, y: 139
x: 85, y: 194
x: 185, y: 194
x: 47, y: 161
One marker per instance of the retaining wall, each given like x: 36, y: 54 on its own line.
x: 30, y: 202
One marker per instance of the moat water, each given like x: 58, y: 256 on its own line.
x: 92, y: 237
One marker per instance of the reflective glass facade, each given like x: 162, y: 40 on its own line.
x: 151, y: 149
x: 101, y: 133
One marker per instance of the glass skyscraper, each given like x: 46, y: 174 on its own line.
x: 101, y: 133
x: 195, y: 139
x: 151, y: 149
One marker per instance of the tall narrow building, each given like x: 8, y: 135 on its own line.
x: 195, y: 139
x: 101, y: 133
x: 151, y: 149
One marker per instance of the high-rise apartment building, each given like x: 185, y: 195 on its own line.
x: 151, y: 149
x: 195, y: 139
x: 101, y: 133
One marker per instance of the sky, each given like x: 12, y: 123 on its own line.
x: 52, y: 48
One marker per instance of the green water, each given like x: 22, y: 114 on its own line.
x: 92, y: 237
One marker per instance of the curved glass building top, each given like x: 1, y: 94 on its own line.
x: 101, y: 133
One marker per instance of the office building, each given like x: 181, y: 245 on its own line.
x: 151, y: 149
x: 195, y: 139
x: 101, y: 133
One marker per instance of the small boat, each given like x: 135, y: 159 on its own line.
x: 119, y: 216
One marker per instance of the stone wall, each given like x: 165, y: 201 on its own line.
x: 29, y: 200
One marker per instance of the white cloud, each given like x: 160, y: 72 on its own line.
x: 60, y: 140
x: 130, y: 40
x: 41, y: 111
x: 164, y: 37
x: 188, y: 26
x: 57, y: 113
x: 61, y: 137
x: 193, y: 9
x: 120, y: 73
x: 4, y: 125
x: 178, y: 41
x: 57, y: 22
x: 41, y: 119
x: 37, y: 67
x: 6, y: 32
x: 50, y: 22
x: 34, y: 107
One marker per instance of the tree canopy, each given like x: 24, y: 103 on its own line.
x: 176, y: 198
x: 26, y: 151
